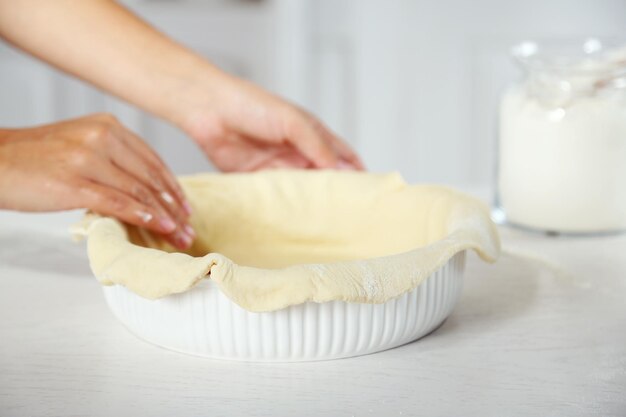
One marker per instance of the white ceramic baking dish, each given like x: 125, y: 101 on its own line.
x: 205, y: 322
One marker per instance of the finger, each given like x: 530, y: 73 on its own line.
x: 341, y: 147
x: 106, y: 174
x: 162, y: 174
x: 269, y: 156
x: 129, y: 161
x: 289, y: 159
x: 111, y: 202
x: 242, y: 153
x: 310, y: 143
x: 282, y: 164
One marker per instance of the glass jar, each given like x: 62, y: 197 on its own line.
x: 562, y: 139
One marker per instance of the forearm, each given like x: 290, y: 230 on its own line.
x: 238, y: 125
x: 103, y: 43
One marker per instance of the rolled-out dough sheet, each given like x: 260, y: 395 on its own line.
x: 278, y: 238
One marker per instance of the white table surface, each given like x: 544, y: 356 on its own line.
x: 540, y: 333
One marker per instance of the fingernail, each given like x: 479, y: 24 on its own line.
x: 167, y: 224
x: 167, y: 197
x: 144, y: 216
x: 187, y: 207
x: 189, y: 230
x: 183, y: 240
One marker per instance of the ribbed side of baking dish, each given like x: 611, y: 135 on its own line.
x: 205, y: 322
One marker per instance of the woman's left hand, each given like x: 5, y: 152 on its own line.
x: 241, y: 127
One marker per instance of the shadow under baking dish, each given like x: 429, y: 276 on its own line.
x: 205, y: 322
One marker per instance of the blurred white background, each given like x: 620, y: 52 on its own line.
x: 412, y: 84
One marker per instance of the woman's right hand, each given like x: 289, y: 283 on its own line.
x: 96, y: 163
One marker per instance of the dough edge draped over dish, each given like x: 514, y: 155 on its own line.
x: 154, y: 273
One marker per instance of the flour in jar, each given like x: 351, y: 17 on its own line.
x: 562, y: 156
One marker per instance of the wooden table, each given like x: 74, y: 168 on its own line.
x: 540, y: 333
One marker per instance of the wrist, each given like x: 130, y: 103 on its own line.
x: 197, y: 94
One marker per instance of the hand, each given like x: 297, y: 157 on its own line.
x: 93, y: 162
x: 239, y: 126
x: 243, y: 128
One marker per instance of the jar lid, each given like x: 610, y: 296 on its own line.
x: 561, y: 69
x: 584, y: 55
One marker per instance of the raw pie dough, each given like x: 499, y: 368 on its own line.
x: 278, y: 238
